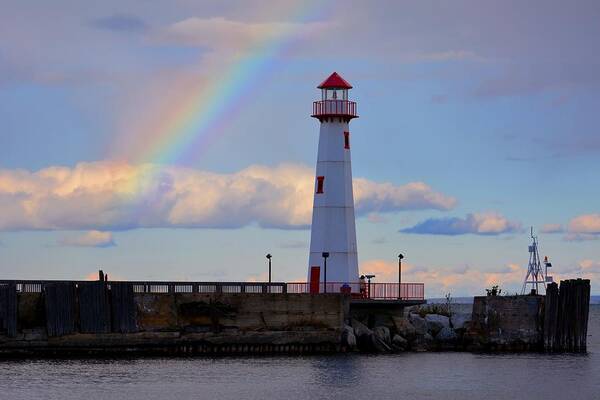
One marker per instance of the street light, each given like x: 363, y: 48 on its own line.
x: 269, y: 258
x: 400, y: 257
x: 325, y: 255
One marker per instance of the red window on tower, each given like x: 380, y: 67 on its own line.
x: 346, y: 140
x: 320, y: 180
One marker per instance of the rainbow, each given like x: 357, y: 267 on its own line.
x: 198, y: 118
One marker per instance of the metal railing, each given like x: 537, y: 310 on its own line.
x: 344, y: 108
x: 36, y: 286
x: 375, y: 291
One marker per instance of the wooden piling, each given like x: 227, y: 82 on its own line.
x: 566, y: 316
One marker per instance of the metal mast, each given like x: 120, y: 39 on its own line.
x: 535, y: 274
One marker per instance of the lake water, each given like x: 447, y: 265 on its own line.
x: 402, y: 376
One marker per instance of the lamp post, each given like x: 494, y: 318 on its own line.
x: 400, y: 257
x: 325, y: 255
x: 269, y: 256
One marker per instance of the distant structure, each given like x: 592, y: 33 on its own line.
x: 536, y: 276
x: 333, y: 231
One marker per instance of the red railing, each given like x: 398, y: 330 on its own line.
x: 332, y: 108
x: 408, y: 291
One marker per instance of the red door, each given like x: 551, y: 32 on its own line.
x: 315, y: 276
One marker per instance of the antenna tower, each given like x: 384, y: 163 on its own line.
x: 536, y: 276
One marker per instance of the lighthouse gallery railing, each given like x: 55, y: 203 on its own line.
x: 334, y: 107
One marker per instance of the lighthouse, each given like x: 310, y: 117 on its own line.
x: 333, y: 256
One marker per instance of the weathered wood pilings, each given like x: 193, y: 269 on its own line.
x: 122, y: 308
x: 566, y: 315
x: 60, y: 301
x: 94, y: 307
x: 8, y: 309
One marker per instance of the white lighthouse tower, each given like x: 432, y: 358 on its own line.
x: 333, y: 231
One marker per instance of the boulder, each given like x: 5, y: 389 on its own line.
x: 418, y: 323
x: 399, y: 341
x: 423, y: 342
x: 436, y: 322
x: 379, y: 345
x: 459, y: 321
x: 360, y: 329
x: 363, y: 335
x: 404, y: 328
x: 446, y: 335
x: 348, y: 337
x: 383, y: 333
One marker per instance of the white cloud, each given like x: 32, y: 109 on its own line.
x: 468, y: 280
x: 582, y: 228
x: 487, y: 223
x: 440, y: 280
x: 89, y: 239
x: 108, y: 196
x: 588, y: 223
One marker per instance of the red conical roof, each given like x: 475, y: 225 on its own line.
x: 335, y: 81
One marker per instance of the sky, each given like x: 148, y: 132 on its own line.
x: 172, y: 140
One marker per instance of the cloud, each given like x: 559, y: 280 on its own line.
x: 109, y: 196
x: 588, y: 223
x: 371, y: 196
x: 89, y: 239
x: 552, y: 228
x: 440, y: 280
x: 120, y: 23
x: 583, y: 227
x: 478, y: 223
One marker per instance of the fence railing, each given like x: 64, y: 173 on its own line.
x: 334, y: 108
x: 405, y: 291
x: 373, y: 290
x: 36, y: 286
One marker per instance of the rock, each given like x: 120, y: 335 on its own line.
x: 364, y: 336
x: 458, y: 321
x: 418, y: 323
x: 379, y: 345
x: 446, y: 335
x: 360, y: 329
x: 399, y: 341
x: 436, y: 322
x: 348, y: 337
x: 383, y: 333
x: 404, y: 328
x: 423, y: 342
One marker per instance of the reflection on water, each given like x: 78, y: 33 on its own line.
x: 409, y: 376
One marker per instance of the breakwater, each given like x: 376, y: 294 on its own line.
x: 100, y: 318
x: 93, y: 318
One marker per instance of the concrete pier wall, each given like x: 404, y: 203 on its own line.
x: 508, y: 323
x: 188, y: 323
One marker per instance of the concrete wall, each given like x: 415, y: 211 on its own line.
x: 507, y: 322
x: 194, y: 312
x: 189, y: 323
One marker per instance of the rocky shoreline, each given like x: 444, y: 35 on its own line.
x: 416, y: 331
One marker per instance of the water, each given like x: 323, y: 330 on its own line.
x: 404, y: 376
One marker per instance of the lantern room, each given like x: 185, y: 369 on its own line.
x: 334, y: 99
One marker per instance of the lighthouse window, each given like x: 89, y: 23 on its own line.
x: 320, y: 180
x: 346, y: 140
